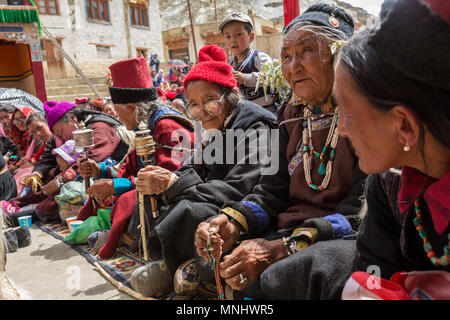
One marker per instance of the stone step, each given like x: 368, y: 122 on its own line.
x: 72, y: 90
x: 71, y: 98
x: 67, y: 82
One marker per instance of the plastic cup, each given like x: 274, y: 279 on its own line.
x: 75, y: 224
x: 69, y: 220
x: 25, y: 221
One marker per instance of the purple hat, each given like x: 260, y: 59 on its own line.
x: 65, y: 152
x: 55, y: 110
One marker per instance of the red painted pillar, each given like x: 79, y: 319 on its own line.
x: 291, y: 10
x: 39, y: 81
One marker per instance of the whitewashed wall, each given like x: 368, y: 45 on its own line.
x: 79, y: 35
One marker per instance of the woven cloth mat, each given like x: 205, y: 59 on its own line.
x: 120, y: 266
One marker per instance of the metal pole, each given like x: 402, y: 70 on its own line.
x: 74, y: 65
x: 192, y: 29
x: 215, y: 10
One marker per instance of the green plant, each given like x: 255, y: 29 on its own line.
x: 271, y: 77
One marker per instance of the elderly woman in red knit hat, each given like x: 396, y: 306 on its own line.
x: 199, y: 189
x: 315, y: 194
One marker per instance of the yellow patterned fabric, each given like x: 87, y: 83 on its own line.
x: 236, y: 215
x: 35, y: 182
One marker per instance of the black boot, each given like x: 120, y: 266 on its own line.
x: 23, y: 236
x: 11, y: 243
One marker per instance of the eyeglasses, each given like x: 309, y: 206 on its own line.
x: 19, y: 120
x: 212, y: 107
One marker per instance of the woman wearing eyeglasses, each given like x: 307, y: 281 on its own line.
x: 199, y: 189
x: 315, y: 195
x: 28, y: 145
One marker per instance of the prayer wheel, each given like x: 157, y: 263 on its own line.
x: 84, y: 138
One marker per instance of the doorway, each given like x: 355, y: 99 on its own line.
x: 54, y: 59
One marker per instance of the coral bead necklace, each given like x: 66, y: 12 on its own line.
x: 436, y: 261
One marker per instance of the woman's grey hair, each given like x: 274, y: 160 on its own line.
x: 180, y: 101
x: 321, y: 33
x: 231, y: 97
x: 143, y: 109
x: 39, y: 116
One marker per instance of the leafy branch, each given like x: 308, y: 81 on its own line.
x: 271, y: 77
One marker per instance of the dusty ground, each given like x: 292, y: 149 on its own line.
x: 48, y: 269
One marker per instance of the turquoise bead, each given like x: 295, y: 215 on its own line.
x: 434, y: 260
x: 446, y: 251
x: 305, y: 148
x: 427, y: 247
x: 313, y: 186
x: 317, y: 110
x: 422, y: 233
x: 317, y: 155
x: 322, y: 169
x: 417, y: 221
x: 305, y: 124
x: 324, y: 149
x: 332, y: 153
x: 444, y: 262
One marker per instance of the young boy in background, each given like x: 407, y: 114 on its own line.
x: 238, y: 32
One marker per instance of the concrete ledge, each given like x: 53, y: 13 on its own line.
x: 48, y: 269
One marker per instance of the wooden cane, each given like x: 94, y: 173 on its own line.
x: 87, y: 181
x: 143, y: 225
x: 145, y: 147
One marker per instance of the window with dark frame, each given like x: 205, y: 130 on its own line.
x: 49, y: 7
x: 179, y: 54
x: 97, y: 10
x: 138, y: 15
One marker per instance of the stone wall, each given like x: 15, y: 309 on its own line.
x: 270, y: 44
x: 80, y: 35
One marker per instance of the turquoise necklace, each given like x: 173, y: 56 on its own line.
x: 436, y: 261
x: 309, y: 151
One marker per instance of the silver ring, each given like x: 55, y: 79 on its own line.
x: 244, y: 280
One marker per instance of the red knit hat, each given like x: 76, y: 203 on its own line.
x: 132, y: 81
x: 213, y: 67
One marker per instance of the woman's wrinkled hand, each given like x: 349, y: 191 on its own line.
x: 102, y: 189
x: 88, y: 168
x: 249, y: 259
x: 50, y: 188
x: 152, y: 180
x: 228, y: 232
